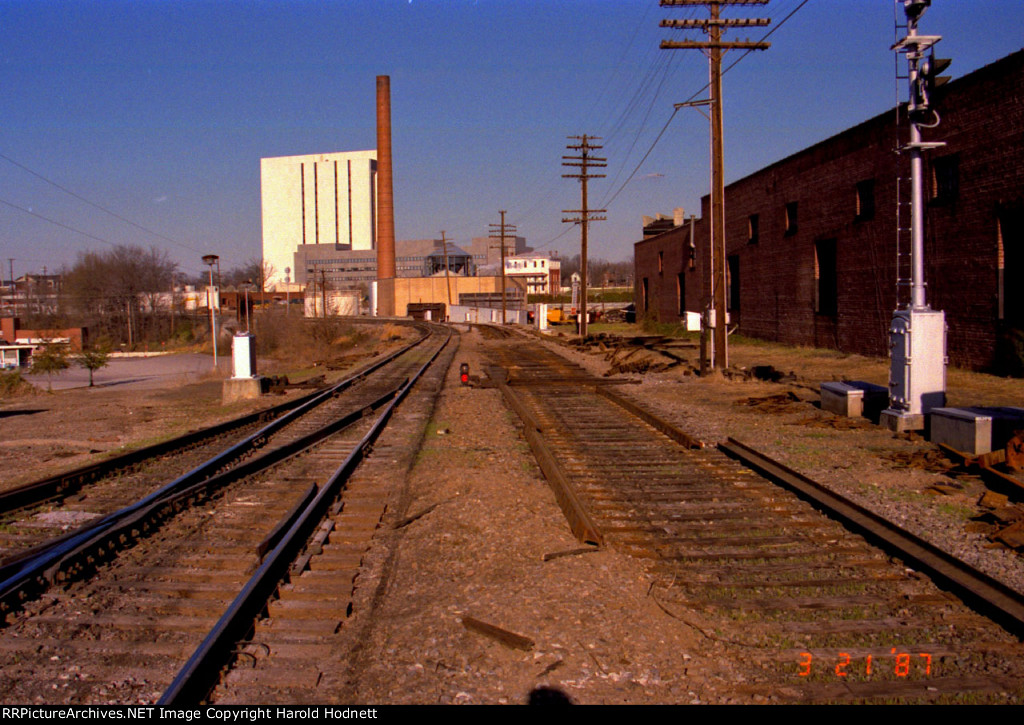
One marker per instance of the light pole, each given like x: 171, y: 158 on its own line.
x: 245, y: 286
x: 210, y: 260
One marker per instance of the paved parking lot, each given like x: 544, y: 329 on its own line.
x: 138, y: 372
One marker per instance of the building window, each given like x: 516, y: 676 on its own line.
x: 661, y: 262
x: 644, y: 291
x: 753, y: 228
x: 1010, y: 266
x: 826, y: 287
x: 732, y: 290
x: 865, y: 200
x: 790, y: 226
x: 945, y: 179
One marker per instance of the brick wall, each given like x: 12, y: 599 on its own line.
x: 807, y: 215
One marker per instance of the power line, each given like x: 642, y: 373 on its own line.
x: 695, y: 94
x: 63, y: 226
x: 95, y: 205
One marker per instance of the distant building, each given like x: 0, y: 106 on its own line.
x: 812, y: 253
x: 31, y: 293
x: 12, y: 333
x: 349, y: 268
x: 660, y: 223
x: 541, y: 273
x: 448, y: 259
x: 321, y: 200
x: 320, y: 220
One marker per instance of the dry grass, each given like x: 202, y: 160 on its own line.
x: 301, y: 342
x: 12, y: 385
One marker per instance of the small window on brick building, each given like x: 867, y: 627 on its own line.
x: 661, y: 262
x: 826, y: 279
x: 753, y: 229
x: 790, y: 226
x: 1010, y: 266
x: 733, y: 284
x: 865, y: 200
x: 945, y: 179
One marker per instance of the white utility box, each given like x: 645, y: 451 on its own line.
x: 243, y: 355
x: 917, y: 374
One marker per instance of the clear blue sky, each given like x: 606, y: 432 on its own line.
x: 159, y: 110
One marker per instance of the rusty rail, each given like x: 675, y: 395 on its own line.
x: 679, y: 436
x: 199, y: 675
x: 32, y: 572
x: 582, y: 525
x: 1001, y: 603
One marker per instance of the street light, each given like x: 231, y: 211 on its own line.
x: 246, y: 285
x: 210, y: 260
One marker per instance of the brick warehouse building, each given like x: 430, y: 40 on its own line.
x: 812, y: 239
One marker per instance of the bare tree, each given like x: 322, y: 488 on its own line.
x: 120, y: 293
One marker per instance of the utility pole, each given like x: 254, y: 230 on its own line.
x: 917, y: 333
x: 713, y: 49
x: 585, y: 161
x: 14, y: 289
x: 447, y: 279
x: 503, y: 230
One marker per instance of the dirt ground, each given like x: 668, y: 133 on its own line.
x: 596, y: 633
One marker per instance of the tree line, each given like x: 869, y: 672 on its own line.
x: 601, y: 272
x: 126, y: 297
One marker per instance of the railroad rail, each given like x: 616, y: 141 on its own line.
x: 154, y: 597
x: 803, y: 606
x: 97, y: 489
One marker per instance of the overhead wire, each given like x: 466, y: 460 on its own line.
x: 59, y: 224
x: 94, y: 204
x: 656, y: 69
x: 607, y: 202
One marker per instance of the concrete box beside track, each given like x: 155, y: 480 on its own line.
x: 853, y: 398
x: 975, y: 430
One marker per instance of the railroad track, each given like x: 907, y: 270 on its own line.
x: 67, y: 507
x: 804, y: 609
x: 202, y: 563
x: 37, y: 512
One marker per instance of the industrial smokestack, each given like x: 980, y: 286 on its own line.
x: 385, y: 189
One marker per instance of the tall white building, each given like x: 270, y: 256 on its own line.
x: 319, y: 199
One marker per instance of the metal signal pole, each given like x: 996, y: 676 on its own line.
x: 917, y: 333
x: 503, y: 230
x: 585, y: 162
x: 713, y: 49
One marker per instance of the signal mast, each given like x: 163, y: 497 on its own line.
x: 917, y: 333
